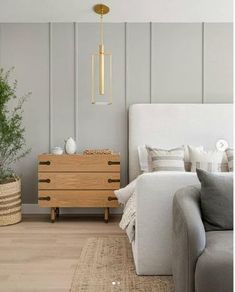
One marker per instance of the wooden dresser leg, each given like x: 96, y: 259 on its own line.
x: 106, y: 215
x: 53, y: 215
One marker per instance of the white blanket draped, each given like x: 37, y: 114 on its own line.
x: 126, y: 196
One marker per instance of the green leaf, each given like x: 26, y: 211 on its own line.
x: 12, y: 131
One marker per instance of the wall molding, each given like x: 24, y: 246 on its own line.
x: 76, y: 81
x: 150, y: 62
x: 126, y: 105
x: 203, y: 60
x: 50, y: 90
x: 0, y: 45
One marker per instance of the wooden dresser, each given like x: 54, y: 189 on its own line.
x: 78, y: 181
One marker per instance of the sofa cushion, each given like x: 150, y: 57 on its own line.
x: 216, y: 200
x: 214, y: 269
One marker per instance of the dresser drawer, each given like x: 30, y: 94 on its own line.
x: 54, y: 198
x: 77, y: 180
x: 79, y: 163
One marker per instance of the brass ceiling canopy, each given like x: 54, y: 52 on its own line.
x: 101, y: 9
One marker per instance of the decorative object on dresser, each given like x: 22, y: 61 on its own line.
x: 97, y: 151
x: 78, y: 181
x: 57, y: 150
x: 70, y: 146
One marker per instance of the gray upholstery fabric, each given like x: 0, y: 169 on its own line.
x: 188, y: 237
x: 201, y: 259
x: 153, y: 230
x: 214, y: 269
x: 216, y: 200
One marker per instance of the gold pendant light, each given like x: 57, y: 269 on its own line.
x: 101, y: 66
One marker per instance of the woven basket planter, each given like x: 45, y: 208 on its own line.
x: 10, y: 203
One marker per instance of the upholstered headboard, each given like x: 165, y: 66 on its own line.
x: 172, y: 125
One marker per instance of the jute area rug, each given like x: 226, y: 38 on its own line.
x: 106, y: 264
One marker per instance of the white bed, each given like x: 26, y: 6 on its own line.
x: 167, y: 126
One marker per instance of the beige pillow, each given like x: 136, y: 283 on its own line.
x: 145, y: 160
x: 211, y: 161
x: 167, y: 160
x: 229, y: 153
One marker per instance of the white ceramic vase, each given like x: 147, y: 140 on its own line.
x: 70, y: 146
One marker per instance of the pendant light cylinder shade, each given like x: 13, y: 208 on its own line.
x: 101, y: 70
x: 101, y: 78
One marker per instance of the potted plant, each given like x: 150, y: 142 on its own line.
x: 12, y: 148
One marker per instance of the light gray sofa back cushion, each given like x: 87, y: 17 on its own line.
x: 216, y: 200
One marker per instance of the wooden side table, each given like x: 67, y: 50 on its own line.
x: 78, y: 181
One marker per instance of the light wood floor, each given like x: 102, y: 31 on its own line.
x: 36, y: 255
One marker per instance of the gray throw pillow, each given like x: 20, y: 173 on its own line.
x: 216, y: 200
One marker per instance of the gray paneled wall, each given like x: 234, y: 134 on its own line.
x: 218, y: 62
x: 177, y: 63
x: 138, y: 63
x: 158, y: 63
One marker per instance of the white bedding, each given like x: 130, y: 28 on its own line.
x: 127, y: 222
x: 126, y: 196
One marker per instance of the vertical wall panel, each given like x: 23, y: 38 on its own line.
x: 218, y: 62
x: 0, y: 44
x: 177, y: 63
x: 138, y: 63
x: 26, y: 47
x: 102, y: 126
x: 62, y: 62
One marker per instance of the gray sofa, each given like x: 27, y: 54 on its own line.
x: 202, y: 261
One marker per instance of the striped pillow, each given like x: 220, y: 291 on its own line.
x: 211, y: 161
x: 167, y: 160
x: 229, y: 153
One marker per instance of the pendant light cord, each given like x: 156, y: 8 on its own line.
x: 101, y: 30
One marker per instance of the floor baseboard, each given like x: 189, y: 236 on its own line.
x: 35, y: 209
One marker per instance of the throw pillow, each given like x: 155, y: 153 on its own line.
x: 229, y: 153
x: 216, y: 200
x: 211, y: 161
x: 167, y: 160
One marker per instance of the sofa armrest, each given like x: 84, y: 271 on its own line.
x: 189, y: 237
x: 152, y: 248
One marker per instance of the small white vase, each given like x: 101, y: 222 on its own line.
x: 70, y: 146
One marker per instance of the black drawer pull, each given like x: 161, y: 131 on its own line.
x: 110, y: 180
x: 113, y: 162
x: 45, y: 162
x: 45, y: 180
x: 112, y: 199
x: 44, y: 198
